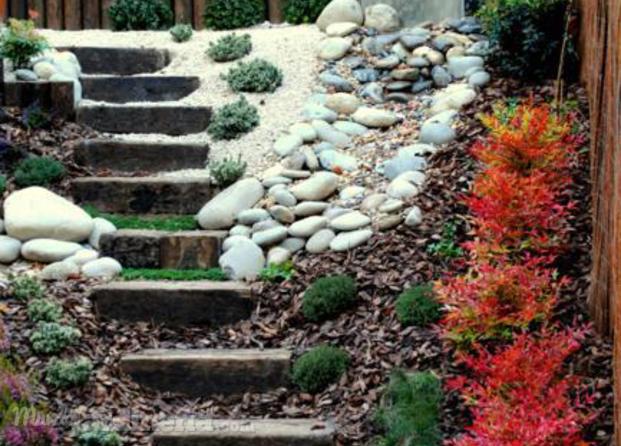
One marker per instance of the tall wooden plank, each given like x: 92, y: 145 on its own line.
x: 91, y: 11
x: 183, y: 11
x: 73, y: 14
x: 19, y: 9
x: 199, y: 11
x: 105, y: 16
x: 54, y: 14
x: 4, y: 10
x: 36, y: 11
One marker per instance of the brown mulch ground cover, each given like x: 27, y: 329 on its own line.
x: 375, y: 340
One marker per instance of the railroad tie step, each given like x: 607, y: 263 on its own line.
x: 143, y: 195
x: 174, y: 304
x: 276, y: 432
x: 148, y: 118
x: 143, y: 248
x: 123, y: 89
x: 127, y: 156
x: 208, y: 372
x: 120, y: 61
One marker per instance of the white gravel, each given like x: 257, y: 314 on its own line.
x: 292, y: 48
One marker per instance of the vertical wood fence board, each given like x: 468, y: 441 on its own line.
x: 54, y: 14
x: 36, y: 10
x: 199, y: 10
x: 91, y: 10
x: 73, y: 14
x: 183, y: 11
x: 105, y: 17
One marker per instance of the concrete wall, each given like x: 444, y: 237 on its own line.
x: 417, y: 11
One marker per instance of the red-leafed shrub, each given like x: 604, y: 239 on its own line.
x: 520, y: 397
x: 494, y: 301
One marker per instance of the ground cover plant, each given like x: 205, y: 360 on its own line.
x: 418, y: 306
x: 182, y: 275
x: 230, y: 47
x: 228, y: 170
x: 234, y: 120
x: 25, y: 288
x: 52, y: 337
x: 169, y: 223
x: 64, y: 374
x: 133, y: 15
x: 318, y: 368
x: 97, y: 434
x: 44, y: 310
x: 181, y: 32
x: 256, y: 76
x: 329, y: 296
x: 38, y: 171
x: 20, y: 41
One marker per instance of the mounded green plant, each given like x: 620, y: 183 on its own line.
x: 25, y: 288
x: 410, y: 409
x: 133, y: 15
x: 181, y: 32
x: 278, y: 272
x: 180, y: 275
x: 97, y: 435
x: 20, y: 41
x: 256, y: 76
x: 63, y: 374
x: 418, y: 306
x: 328, y: 297
x: 38, y: 171
x: 318, y: 368
x: 230, y: 47
x: 304, y: 11
x: 44, y: 310
x: 227, y: 170
x: 233, y: 120
x: 51, y: 337
x: 446, y: 246
x: 233, y: 14
x: 527, y: 37
x: 174, y: 223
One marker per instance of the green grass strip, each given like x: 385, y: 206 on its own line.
x: 174, y: 223
x: 181, y: 275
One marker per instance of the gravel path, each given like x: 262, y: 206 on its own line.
x: 291, y: 48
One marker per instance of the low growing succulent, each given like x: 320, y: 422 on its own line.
x: 328, y: 297
x: 25, y: 288
x: 44, y: 310
x: 257, y: 76
x: 181, y: 33
x: 63, y: 374
x: 317, y: 369
x: 230, y: 47
x: 234, y: 120
x: 51, y: 337
x: 227, y: 170
x: 97, y: 435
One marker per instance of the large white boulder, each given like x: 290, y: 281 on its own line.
x: 220, y: 212
x: 244, y: 261
x: 318, y: 187
x: 48, y: 250
x: 382, y: 17
x: 36, y: 212
x: 339, y: 11
x: 104, y: 268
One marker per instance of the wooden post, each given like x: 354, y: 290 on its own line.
x: 199, y: 11
x: 274, y: 11
x: 54, y: 14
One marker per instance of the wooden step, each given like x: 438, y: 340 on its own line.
x: 127, y: 156
x: 207, y: 372
x: 120, y: 61
x: 122, y: 89
x: 138, y: 248
x: 164, y: 119
x: 143, y: 195
x: 174, y: 304
x: 278, y: 432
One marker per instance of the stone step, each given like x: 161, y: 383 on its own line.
x: 277, y: 432
x: 207, y: 372
x: 139, y: 156
x: 138, y: 248
x: 120, y: 61
x: 165, y: 119
x: 143, y: 195
x: 174, y: 304
x: 124, y: 89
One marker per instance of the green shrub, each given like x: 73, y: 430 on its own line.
x: 51, y: 337
x: 38, y: 171
x: 257, y: 76
x: 328, y: 297
x: 527, y: 37
x: 228, y: 170
x: 173, y: 223
x: 320, y: 367
x: 233, y: 120
x: 230, y: 47
x: 25, y: 288
x: 97, y: 435
x: 278, y: 272
x: 446, y: 246
x: 304, y: 11
x: 44, y: 310
x: 409, y: 411
x: 181, y: 33
x: 20, y: 41
x: 132, y: 15
x: 233, y: 14
x: 418, y: 306
x: 64, y: 374
x: 182, y: 275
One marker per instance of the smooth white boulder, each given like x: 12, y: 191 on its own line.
x: 9, y: 249
x: 83, y: 256
x: 382, y: 17
x: 374, y: 117
x: 244, y: 261
x: 339, y: 11
x: 350, y: 221
x: 60, y: 271
x: 35, y: 212
x: 48, y: 250
x: 220, y: 212
x: 320, y: 242
x: 318, y: 187
x: 104, y: 268
x: 350, y: 240
x: 101, y: 226
x: 308, y: 227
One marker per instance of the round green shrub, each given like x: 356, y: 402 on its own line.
x: 328, y: 297
x: 257, y: 76
x: 418, y: 306
x: 234, y: 120
x: 181, y: 33
x: 227, y: 170
x: 304, y: 11
x: 131, y: 15
x: 230, y: 47
x: 51, y: 337
x: 97, y: 435
x: 63, y: 374
x: 38, y: 171
x: 25, y: 288
x: 320, y: 367
x: 233, y: 14
x: 44, y: 310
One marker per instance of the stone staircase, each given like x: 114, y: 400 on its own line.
x: 112, y: 79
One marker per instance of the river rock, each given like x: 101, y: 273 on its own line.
x: 388, y: 62
x: 278, y: 255
x: 352, y: 192
x: 411, y: 41
x: 293, y: 244
x: 350, y: 240
x: 270, y: 237
x: 318, y: 187
x: 35, y: 212
x: 320, y: 242
x: 304, y: 131
x: 327, y: 133
x: 386, y: 222
x: 339, y: 11
x: 433, y: 56
x: 391, y: 206
x: 405, y: 74
x: 244, y: 261
x: 373, y: 202
x: 479, y: 79
x: 333, y: 159
x: 400, y: 164
x: 282, y: 214
x: 101, y: 226
x: 343, y: 103
x: 382, y: 17
x: 334, y: 48
x: 350, y: 128
x: 308, y: 227
x: 401, y: 189
x: 374, y: 92
x: 414, y: 217
x: 249, y: 217
x: 374, y: 117
x: 342, y: 29
x: 309, y: 208
x: 220, y: 212
x: 339, y: 83
x: 83, y: 256
x: 9, y: 249
x: 48, y: 250
x: 319, y: 112
x: 240, y: 230
x: 437, y: 133
x: 458, y: 66
x: 60, y: 271
x: 350, y: 221
x: 365, y: 75
x: 44, y: 70
x: 104, y: 268
x: 287, y: 144
x: 233, y: 240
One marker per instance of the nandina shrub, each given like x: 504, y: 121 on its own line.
x: 493, y: 301
x: 520, y: 396
x: 24, y: 425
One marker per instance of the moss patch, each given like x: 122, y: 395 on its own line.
x: 173, y: 223
x: 181, y: 275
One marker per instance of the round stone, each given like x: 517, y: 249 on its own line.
x: 341, y: 29
x: 307, y: 227
x: 373, y: 202
x: 220, y: 212
x: 249, y: 217
x: 240, y: 230
x: 334, y: 48
x: 60, y: 271
x: 278, y: 255
x: 437, y: 133
x: 101, y: 226
x: 309, y: 208
x: 350, y: 240
x: 414, y: 217
x: 233, y: 240
x: 387, y: 222
x: 320, y: 242
x: 270, y: 237
x: 293, y: 244
x: 286, y: 145
x: 244, y: 261
x: 374, y: 117
x: 304, y: 131
x: 350, y: 221
x: 318, y: 187
x: 48, y: 250
x: 9, y: 249
x: 285, y: 198
x: 382, y: 17
x: 343, y: 103
x: 282, y: 214
x: 339, y: 11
